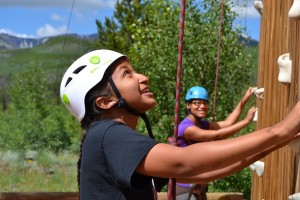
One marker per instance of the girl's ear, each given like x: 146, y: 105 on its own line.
x: 187, y: 105
x: 105, y: 102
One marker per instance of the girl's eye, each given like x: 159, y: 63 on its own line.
x: 126, y: 72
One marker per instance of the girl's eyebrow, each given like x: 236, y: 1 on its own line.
x: 126, y: 66
x: 122, y: 67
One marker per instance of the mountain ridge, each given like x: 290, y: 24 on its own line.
x: 8, y: 41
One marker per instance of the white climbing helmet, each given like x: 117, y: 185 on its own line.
x: 83, y: 75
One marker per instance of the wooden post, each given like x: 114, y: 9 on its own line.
x: 278, y: 35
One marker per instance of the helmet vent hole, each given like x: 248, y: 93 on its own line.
x: 68, y: 81
x: 76, y: 71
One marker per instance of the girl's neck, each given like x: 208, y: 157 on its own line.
x: 121, y: 115
x: 194, y: 119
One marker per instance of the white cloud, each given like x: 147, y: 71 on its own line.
x: 55, y: 15
x: 48, y: 30
x: 249, y: 12
x: 78, y: 4
x: 9, y: 32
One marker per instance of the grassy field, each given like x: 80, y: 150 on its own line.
x: 38, y: 172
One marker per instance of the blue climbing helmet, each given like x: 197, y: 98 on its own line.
x: 196, y: 92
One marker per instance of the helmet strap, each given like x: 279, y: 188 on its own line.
x: 123, y: 104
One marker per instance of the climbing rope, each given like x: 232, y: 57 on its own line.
x: 68, y: 24
x: 172, y: 182
x: 246, y: 13
x: 218, y: 59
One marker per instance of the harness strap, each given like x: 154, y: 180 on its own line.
x: 121, y: 101
x: 123, y: 104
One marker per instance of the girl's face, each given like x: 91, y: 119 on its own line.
x: 198, y: 108
x: 133, y: 87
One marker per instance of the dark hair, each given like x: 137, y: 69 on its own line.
x: 187, y: 111
x: 103, y: 88
x: 93, y: 113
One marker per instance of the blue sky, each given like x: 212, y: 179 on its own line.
x: 40, y: 18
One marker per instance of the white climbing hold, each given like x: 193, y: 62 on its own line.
x: 294, y: 196
x: 258, y: 167
x: 294, y: 11
x: 285, y: 68
x: 258, y: 5
x: 259, y: 92
x: 255, y: 116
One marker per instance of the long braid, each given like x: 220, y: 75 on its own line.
x: 79, y: 165
x: 93, y: 112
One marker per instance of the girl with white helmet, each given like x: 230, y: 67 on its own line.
x: 194, y: 128
x: 102, y: 90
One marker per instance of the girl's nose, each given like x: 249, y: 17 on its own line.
x: 143, y: 78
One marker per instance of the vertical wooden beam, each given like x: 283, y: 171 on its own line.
x: 276, y: 33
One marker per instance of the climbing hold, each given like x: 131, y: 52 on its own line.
x: 258, y: 167
x: 258, y: 5
x: 294, y: 11
x: 255, y: 116
x: 285, y: 68
x: 295, y: 196
x: 259, y: 92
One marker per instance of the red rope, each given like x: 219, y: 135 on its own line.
x: 218, y: 59
x: 172, y: 181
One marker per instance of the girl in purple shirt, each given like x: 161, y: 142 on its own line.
x: 194, y: 129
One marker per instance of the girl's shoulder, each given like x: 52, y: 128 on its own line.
x: 186, y: 121
x: 106, y: 122
x: 104, y: 125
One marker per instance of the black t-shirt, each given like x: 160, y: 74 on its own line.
x: 110, y: 154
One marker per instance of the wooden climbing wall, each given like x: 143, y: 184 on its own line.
x: 278, y: 35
